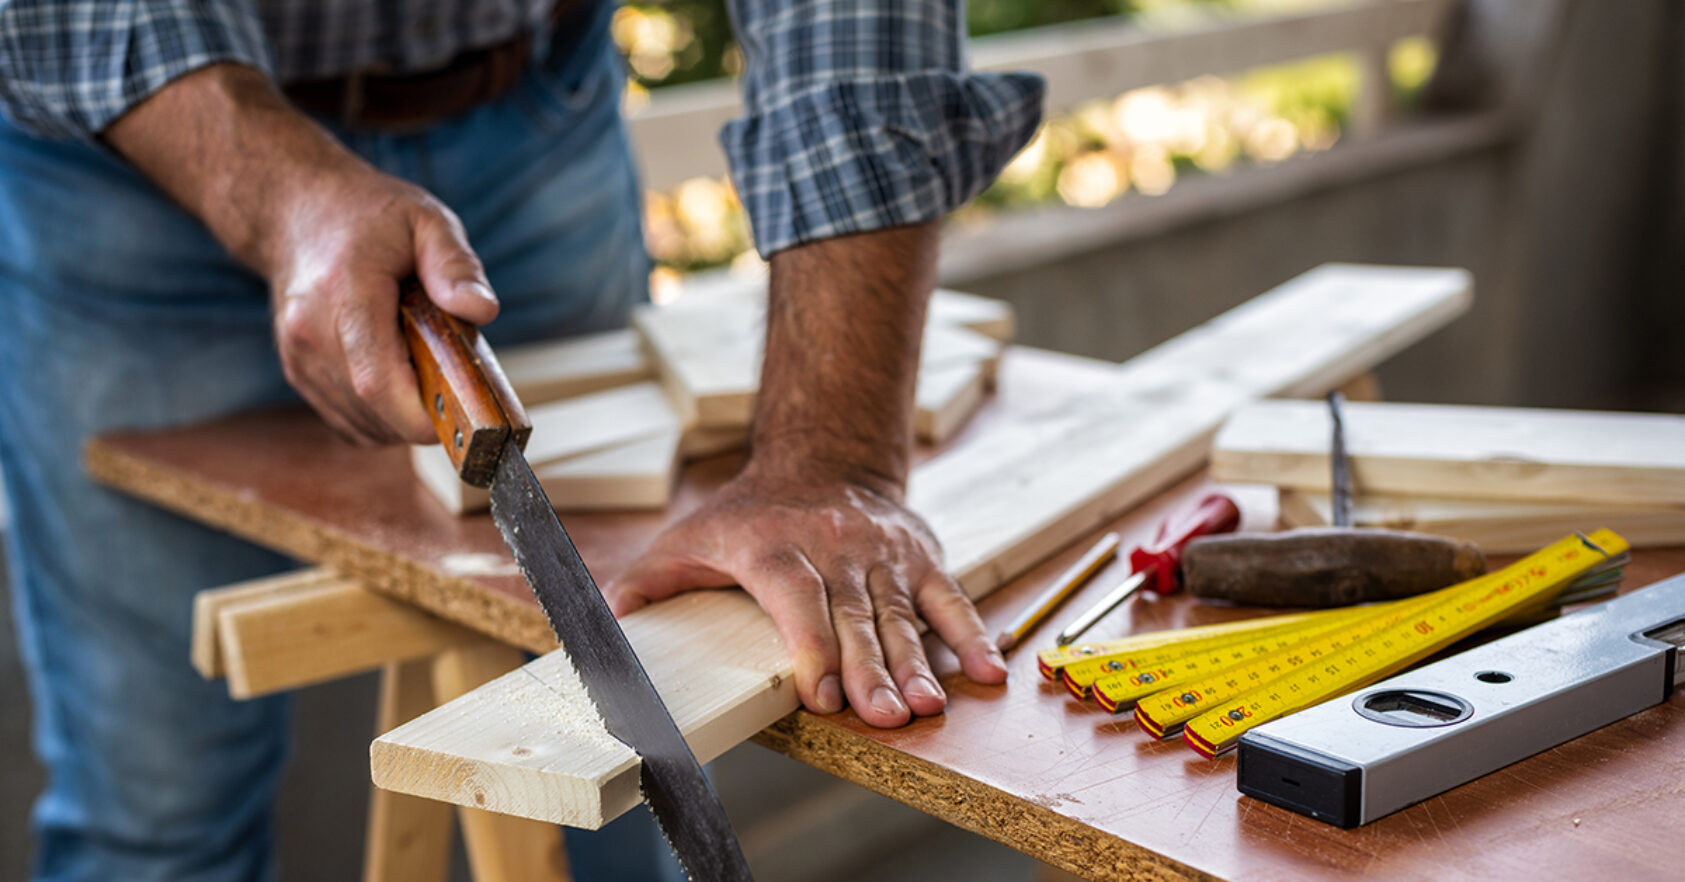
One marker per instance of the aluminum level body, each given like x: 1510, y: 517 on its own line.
x: 1350, y: 761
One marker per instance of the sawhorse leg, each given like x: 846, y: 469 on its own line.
x: 501, y: 848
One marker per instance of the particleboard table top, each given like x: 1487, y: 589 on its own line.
x: 1025, y: 764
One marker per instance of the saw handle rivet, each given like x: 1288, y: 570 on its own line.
x: 458, y: 439
x: 439, y: 403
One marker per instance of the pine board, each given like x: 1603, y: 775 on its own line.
x: 1486, y: 453
x: 553, y: 370
x: 332, y: 629
x: 578, y: 447
x: 946, y: 397
x: 707, y: 352
x: 1498, y: 527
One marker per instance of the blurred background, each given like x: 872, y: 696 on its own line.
x: 1195, y: 154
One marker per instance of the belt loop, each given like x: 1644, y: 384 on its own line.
x: 351, y: 100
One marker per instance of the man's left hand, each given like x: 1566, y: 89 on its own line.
x: 845, y: 570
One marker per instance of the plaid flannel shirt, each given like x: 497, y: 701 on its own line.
x: 859, y: 114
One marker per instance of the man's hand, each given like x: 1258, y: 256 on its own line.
x: 332, y: 235
x: 815, y: 527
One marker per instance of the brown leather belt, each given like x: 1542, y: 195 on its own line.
x: 411, y: 102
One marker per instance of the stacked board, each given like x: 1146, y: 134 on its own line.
x: 1508, y: 478
x: 607, y: 436
x: 707, y: 352
x: 1000, y: 502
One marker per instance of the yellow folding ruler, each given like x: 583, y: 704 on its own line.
x: 1213, y: 683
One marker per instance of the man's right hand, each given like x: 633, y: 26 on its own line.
x: 331, y: 234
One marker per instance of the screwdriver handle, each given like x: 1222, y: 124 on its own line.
x: 1216, y: 513
x: 472, y: 406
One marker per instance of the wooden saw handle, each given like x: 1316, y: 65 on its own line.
x: 472, y: 406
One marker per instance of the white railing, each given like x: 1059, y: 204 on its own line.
x: 675, y: 134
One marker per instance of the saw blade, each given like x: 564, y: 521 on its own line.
x: 678, y: 794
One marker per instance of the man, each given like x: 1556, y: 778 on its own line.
x: 190, y: 189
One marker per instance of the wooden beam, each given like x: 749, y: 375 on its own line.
x: 697, y: 443
x: 1497, y: 527
x: 1463, y: 452
x: 557, y: 369
x: 409, y: 838
x: 999, y: 504
x: 571, y: 429
x: 984, y: 315
x: 707, y: 351
x: 635, y: 475
x: 312, y: 631
x: 707, y: 356
x: 947, y: 397
x: 208, y: 605
x: 1363, y: 387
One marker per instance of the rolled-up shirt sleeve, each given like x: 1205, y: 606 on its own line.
x: 861, y: 115
x: 68, y: 68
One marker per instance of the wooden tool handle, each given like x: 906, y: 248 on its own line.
x: 472, y: 406
x: 1326, y: 566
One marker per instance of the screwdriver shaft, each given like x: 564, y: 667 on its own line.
x: 1108, y: 603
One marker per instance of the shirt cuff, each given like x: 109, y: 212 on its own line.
x: 63, y: 77
x: 856, y: 155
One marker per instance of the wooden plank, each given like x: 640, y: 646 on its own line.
x: 946, y: 398
x: 332, y: 628
x: 558, y: 759
x: 1082, y: 462
x: 1363, y: 387
x: 500, y: 848
x: 636, y: 475
x: 699, y: 443
x: 707, y: 351
x: 1498, y: 527
x: 984, y: 315
x: 208, y: 604
x: 409, y: 838
x: 1463, y: 452
x: 708, y: 357
x: 570, y: 429
x: 557, y: 369
x: 999, y: 504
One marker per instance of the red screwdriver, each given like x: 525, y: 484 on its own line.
x: 1156, y: 565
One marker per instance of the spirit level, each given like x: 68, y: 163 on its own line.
x: 1351, y: 761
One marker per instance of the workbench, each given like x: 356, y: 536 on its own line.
x: 1023, y: 764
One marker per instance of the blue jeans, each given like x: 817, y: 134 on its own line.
x: 118, y: 310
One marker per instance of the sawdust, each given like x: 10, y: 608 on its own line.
x: 560, y: 696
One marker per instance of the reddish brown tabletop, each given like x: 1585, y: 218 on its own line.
x: 1023, y: 764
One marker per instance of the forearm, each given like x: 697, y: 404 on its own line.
x: 844, y: 326
x: 331, y: 235
x: 224, y: 144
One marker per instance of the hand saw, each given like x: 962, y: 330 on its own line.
x: 483, y: 427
